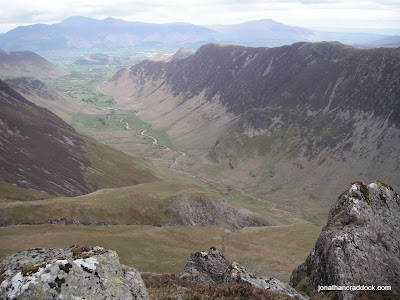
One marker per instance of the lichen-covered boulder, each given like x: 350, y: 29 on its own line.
x: 360, y: 243
x: 71, y: 273
x: 237, y: 273
x: 135, y: 282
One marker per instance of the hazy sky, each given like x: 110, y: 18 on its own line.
x: 357, y: 14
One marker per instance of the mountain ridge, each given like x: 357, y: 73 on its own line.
x: 84, y: 32
x: 249, y: 65
x: 317, y: 114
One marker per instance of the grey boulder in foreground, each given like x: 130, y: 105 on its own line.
x: 360, y: 243
x: 69, y: 273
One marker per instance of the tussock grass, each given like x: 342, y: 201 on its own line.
x: 272, y: 251
x: 147, y: 248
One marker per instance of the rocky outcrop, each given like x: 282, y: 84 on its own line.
x: 71, y: 273
x: 205, y: 267
x: 360, y: 244
x: 135, y: 282
x: 237, y: 273
x: 203, y: 211
x: 213, y: 267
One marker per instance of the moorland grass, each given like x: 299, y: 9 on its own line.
x: 274, y: 251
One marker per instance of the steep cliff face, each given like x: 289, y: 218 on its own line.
x: 317, y: 115
x: 359, y: 244
x: 69, y: 273
x: 308, y: 154
x: 304, y: 75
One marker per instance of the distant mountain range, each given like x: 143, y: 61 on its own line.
x: 262, y: 33
x: 83, y: 32
x: 27, y: 63
x: 386, y: 42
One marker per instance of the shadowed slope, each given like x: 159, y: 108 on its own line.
x: 41, y: 152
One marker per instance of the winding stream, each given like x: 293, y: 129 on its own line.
x: 181, y: 154
x: 155, y: 142
x: 126, y: 124
x: 176, y: 160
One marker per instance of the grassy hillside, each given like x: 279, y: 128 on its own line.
x: 269, y: 250
x: 112, y: 168
x: 146, y: 204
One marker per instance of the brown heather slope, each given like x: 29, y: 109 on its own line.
x: 27, y: 63
x: 41, y: 152
x: 57, y: 102
x: 301, y: 120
